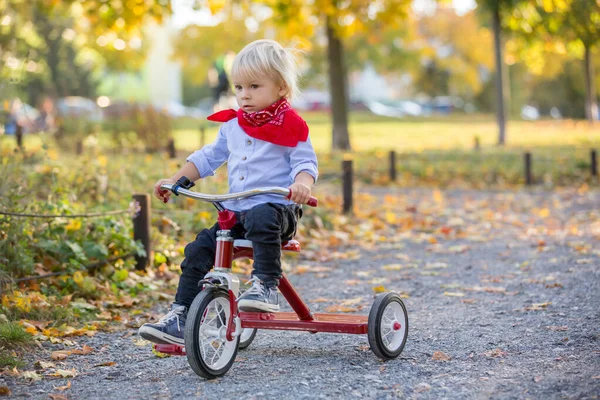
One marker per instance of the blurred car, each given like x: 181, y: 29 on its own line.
x: 530, y: 113
x: 21, y: 114
x: 398, y: 108
x: 79, y: 107
x: 313, y: 100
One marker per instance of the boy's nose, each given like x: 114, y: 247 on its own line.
x: 245, y: 95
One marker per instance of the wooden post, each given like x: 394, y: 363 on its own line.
x: 79, y: 147
x: 347, y: 185
x: 141, y: 229
x: 19, y: 136
x: 528, y: 176
x: 171, y: 148
x: 202, y: 136
x: 392, y: 166
x: 477, y: 144
x: 594, y: 163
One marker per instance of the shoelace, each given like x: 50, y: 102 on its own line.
x: 257, y: 287
x: 173, y: 314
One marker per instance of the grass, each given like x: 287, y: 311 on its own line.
x: 12, y: 337
x: 369, y: 132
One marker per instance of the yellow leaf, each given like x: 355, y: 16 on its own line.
x: 31, y: 375
x: 379, y: 289
x: 65, y: 373
x: 340, y: 308
x: 454, y: 294
x: 390, y: 217
x: 78, y: 277
x: 392, y: 267
x: 351, y: 302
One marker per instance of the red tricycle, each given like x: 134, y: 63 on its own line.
x: 215, y: 329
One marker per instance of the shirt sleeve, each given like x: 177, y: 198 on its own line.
x: 304, y: 159
x: 212, y: 156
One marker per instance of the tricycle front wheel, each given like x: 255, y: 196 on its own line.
x: 388, y: 326
x: 208, y: 351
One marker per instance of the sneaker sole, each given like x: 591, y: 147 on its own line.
x: 257, y: 306
x: 156, y: 336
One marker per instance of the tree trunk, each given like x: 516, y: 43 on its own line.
x: 500, y: 110
x: 591, y: 105
x: 337, y: 84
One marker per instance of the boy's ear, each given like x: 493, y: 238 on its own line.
x: 283, y: 90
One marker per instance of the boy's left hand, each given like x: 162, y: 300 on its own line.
x: 300, y: 193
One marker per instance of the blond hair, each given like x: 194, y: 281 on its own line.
x: 268, y: 58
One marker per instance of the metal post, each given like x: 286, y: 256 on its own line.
x: 202, y: 136
x: 347, y: 185
x: 171, y: 148
x: 594, y: 163
x: 528, y: 176
x: 141, y: 229
x: 392, y: 166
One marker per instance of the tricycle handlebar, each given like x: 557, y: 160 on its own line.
x: 216, y: 198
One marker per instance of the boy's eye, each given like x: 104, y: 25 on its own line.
x: 254, y: 86
x: 238, y: 87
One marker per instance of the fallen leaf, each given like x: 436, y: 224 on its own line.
x: 440, y: 356
x: 454, y: 294
x: 60, y: 354
x: 84, y: 350
x: 379, y: 289
x: 340, y: 308
x: 106, y: 364
x: 44, y: 364
x: 392, y: 267
x: 351, y: 302
x: 65, y: 373
x: 63, y: 388
x: 4, y: 391
x: 496, y: 353
x: 557, y: 328
x: 55, y: 396
x: 31, y: 375
x: 537, y: 306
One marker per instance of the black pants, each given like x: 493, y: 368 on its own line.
x: 266, y: 225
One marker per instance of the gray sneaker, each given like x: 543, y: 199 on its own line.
x: 259, y: 298
x: 169, y: 329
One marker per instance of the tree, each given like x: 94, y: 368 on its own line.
x: 57, y: 46
x: 573, y: 23
x: 496, y: 9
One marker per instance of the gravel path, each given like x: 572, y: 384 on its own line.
x: 505, y: 306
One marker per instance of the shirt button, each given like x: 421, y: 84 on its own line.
x: 244, y: 158
x: 248, y: 141
x: 241, y: 178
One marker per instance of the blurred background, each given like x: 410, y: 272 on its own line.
x: 73, y: 67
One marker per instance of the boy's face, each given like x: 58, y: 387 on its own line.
x: 256, y: 94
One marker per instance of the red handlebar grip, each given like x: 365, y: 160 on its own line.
x: 311, y: 202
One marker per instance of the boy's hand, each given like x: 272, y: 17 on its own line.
x: 162, y: 194
x: 300, y: 193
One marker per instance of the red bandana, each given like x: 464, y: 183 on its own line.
x: 278, y: 124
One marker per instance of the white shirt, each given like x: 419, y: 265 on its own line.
x: 253, y: 163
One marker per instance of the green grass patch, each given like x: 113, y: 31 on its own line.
x: 13, y: 338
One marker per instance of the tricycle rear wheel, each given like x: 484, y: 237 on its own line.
x: 387, y: 326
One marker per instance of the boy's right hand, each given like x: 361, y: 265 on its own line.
x: 163, y: 194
